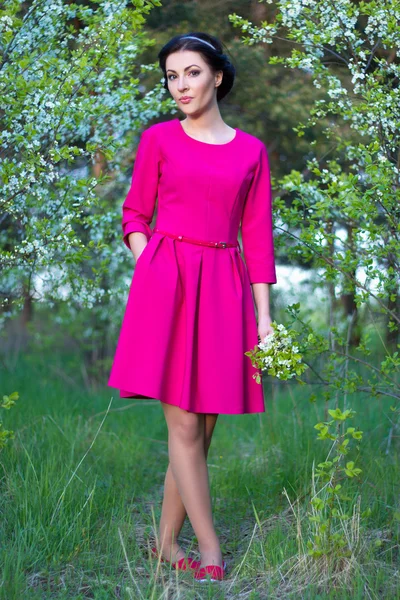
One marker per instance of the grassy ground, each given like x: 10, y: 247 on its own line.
x: 81, y: 490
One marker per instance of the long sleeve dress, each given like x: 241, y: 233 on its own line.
x: 190, y: 313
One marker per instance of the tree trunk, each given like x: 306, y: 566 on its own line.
x: 347, y: 299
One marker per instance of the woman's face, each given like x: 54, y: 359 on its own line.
x: 188, y: 75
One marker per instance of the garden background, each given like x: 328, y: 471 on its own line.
x: 306, y: 496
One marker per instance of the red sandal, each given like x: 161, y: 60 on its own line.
x: 210, y: 573
x: 184, y: 564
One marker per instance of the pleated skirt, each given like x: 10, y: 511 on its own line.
x: 188, y: 320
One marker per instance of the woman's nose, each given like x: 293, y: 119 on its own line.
x: 182, y: 85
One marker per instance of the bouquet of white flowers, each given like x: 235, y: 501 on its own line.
x: 277, y: 354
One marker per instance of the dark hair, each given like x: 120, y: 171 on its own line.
x: 212, y: 52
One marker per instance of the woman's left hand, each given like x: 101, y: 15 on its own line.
x: 264, y: 327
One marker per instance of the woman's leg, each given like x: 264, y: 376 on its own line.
x: 188, y: 434
x: 173, y: 512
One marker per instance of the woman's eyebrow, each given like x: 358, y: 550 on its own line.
x: 186, y: 68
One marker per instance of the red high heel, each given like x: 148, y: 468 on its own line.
x: 184, y: 564
x: 210, y: 573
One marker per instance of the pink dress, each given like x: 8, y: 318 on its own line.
x: 190, y: 313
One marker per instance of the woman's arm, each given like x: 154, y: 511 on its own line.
x: 261, y: 292
x: 258, y: 242
x: 257, y: 234
x: 137, y: 242
x: 138, y: 207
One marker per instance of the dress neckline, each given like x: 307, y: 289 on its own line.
x: 208, y: 144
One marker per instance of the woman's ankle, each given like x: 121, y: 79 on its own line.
x: 171, y: 552
x: 211, y: 558
x: 210, y: 554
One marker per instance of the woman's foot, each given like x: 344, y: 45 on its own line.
x: 211, y: 557
x: 210, y: 573
x: 177, y: 558
x: 173, y: 553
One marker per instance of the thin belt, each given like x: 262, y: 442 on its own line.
x: 185, y: 238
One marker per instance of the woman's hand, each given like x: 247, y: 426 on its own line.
x: 139, y: 255
x: 261, y: 294
x: 264, y: 327
x: 137, y: 242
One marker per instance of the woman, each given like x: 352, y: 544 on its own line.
x: 190, y: 312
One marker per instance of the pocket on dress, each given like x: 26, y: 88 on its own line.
x: 145, y: 249
x: 140, y: 256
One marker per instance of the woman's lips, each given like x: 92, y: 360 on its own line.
x: 185, y: 100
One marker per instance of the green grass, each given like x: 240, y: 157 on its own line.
x: 81, y: 490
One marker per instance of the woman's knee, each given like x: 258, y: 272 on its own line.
x: 186, y: 427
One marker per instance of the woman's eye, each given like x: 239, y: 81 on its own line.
x: 191, y: 72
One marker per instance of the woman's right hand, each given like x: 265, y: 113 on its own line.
x: 137, y: 258
x: 137, y: 242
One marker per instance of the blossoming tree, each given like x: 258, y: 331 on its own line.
x: 72, y: 106
x: 343, y: 212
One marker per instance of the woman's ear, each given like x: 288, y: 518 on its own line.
x: 218, y: 78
